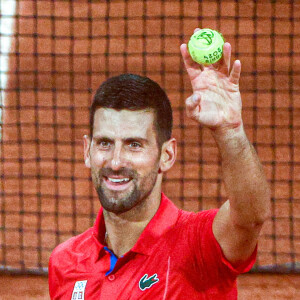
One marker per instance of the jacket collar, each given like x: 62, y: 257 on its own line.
x: 165, y: 217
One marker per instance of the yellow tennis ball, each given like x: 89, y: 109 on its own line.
x: 206, y: 46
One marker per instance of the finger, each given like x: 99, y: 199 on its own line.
x: 193, y: 69
x: 235, y: 73
x: 192, y: 102
x: 224, y: 65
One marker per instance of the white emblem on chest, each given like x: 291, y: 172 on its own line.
x: 78, y: 291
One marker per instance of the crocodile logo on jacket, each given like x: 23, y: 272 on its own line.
x: 146, y: 282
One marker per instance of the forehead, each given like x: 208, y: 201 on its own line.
x: 123, y: 123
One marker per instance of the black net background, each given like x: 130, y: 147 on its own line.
x: 62, y: 50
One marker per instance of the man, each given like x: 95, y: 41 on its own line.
x: 142, y: 246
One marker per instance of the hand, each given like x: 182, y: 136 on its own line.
x: 216, y: 100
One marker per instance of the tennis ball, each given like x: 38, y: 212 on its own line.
x: 206, y: 46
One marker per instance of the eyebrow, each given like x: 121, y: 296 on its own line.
x: 134, y: 138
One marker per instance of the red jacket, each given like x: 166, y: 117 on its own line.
x: 176, y: 257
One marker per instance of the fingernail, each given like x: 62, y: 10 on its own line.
x: 195, y: 98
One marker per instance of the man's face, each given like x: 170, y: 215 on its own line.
x: 124, y: 157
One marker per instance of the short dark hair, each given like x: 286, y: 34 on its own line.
x: 134, y: 92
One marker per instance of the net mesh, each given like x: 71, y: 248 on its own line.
x: 60, y: 51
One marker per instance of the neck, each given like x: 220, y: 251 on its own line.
x: 123, y: 230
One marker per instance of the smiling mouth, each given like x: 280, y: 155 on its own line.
x: 117, y: 183
x: 118, y: 180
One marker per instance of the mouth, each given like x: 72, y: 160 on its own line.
x: 117, y: 183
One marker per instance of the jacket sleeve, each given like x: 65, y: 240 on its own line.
x: 209, y: 254
x: 53, y: 278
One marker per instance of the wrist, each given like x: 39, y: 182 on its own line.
x: 224, y: 132
x: 230, y: 137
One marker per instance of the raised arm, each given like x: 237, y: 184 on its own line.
x: 216, y: 104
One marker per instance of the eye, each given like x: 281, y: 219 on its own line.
x: 104, y: 144
x: 135, y: 145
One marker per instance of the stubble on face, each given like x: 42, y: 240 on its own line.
x: 122, y: 201
x: 141, y: 167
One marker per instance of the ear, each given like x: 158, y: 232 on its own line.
x: 86, y: 144
x: 168, y: 155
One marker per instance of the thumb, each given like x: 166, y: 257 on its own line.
x: 191, y: 103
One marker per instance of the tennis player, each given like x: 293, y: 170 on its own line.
x: 142, y: 246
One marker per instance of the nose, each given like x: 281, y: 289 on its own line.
x: 117, y: 160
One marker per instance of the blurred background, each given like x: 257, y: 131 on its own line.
x: 55, y: 54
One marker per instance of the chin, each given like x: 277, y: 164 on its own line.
x: 119, y: 202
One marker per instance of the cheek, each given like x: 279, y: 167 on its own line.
x: 97, y: 159
x: 147, y: 162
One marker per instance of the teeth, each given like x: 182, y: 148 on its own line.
x: 118, y: 180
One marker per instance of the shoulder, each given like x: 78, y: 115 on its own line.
x: 195, y: 230
x: 72, y: 249
x: 196, y: 219
x: 193, y: 227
